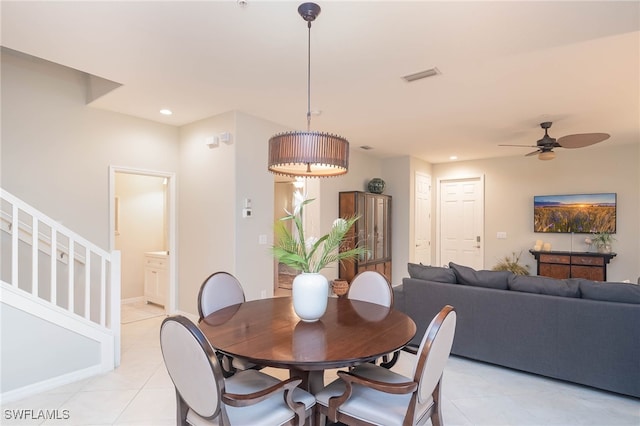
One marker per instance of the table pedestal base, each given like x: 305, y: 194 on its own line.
x: 312, y: 381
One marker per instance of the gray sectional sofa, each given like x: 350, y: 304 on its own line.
x: 576, y: 330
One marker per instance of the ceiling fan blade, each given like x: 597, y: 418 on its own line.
x: 525, y: 146
x: 582, y: 139
x: 536, y: 152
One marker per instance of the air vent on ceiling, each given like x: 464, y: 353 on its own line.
x: 422, y: 74
x: 366, y: 147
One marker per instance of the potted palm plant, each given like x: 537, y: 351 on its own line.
x: 310, y: 255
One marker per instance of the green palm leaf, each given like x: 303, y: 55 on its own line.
x: 292, y: 250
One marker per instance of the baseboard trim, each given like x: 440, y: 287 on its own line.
x: 52, y: 383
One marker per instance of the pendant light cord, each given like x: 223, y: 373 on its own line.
x: 309, y: 77
x: 290, y: 153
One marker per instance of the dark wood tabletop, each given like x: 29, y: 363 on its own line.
x: 268, y: 332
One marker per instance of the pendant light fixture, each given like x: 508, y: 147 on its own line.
x: 308, y: 154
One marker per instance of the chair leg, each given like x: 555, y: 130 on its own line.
x: 436, y: 414
x: 386, y: 363
x: 319, y: 418
x: 181, y: 411
x: 226, y: 364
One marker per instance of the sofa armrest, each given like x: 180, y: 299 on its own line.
x: 399, y: 298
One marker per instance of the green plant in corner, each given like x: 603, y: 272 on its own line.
x: 512, y: 263
x: 311, y: 254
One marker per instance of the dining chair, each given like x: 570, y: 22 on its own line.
x: 373, y: 287
x: 373, y: 395
x: 218, y: 291
x: 205, y: 397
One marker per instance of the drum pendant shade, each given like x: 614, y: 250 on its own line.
x: 308, y: 154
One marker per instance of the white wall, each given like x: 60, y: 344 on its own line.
x: 206, y: 204
x: 26, y: 354
x: 511, y: 183
x: 56, y: 151
x: 253, y: 261
x: 213, y: 185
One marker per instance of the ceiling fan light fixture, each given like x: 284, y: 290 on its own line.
x: 308, y: 153
x: 546, y: 155
x: 546, y: 145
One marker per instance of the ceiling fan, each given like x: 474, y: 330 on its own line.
x: 546, y: 145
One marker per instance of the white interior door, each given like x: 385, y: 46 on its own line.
x: 461, y: 222
x: 422, y: 219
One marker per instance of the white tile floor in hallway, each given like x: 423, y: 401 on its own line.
x: 131, y: 312
x: 140, y: 393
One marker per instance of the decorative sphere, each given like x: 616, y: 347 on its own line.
x: 376, y: 185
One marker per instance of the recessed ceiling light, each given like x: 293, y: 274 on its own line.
x: 166, y: 111
x: 453, y: 157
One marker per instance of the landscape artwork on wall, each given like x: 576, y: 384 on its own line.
x: 579, y: 213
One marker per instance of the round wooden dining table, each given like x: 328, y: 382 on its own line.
x: 268, y: 332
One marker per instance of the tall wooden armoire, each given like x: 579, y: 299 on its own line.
x: 372, y: 231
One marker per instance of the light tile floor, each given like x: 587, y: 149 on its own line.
x: 140, y: 393
x: 131, y: 312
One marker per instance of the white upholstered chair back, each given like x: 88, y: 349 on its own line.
x: 434, y: 352
x: 372, y: 287
x: 191, y: 365
x: 219, y: 290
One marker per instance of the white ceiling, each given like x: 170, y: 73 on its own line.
x: 505, y: 66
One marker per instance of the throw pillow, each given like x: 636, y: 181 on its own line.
x: 431, y: 273
x: 544, y: 285
x: 610, y: 292
x: 489, y: 279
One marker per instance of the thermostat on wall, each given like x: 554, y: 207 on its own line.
x: 246, y: 211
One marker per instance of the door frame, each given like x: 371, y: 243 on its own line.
x: 438, y: 238
x: 416, y: 215
x: 171, y: 222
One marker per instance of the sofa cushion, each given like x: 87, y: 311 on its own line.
x: 490, y: 279
x: 431, y: 273
x: 545, y: 285
x: 610, y: 292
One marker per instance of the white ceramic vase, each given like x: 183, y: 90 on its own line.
x: 310, y: 294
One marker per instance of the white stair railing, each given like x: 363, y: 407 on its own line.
x: 52, y: 263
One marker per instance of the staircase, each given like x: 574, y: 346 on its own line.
x: 60, y: 303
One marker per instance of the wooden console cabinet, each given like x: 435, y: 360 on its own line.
x: 565, y: 264
x: 372, y: 231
